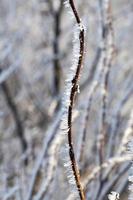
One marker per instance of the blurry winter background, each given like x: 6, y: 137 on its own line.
x: 35, y: 57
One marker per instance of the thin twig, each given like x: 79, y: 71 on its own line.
x: 73, y: 93
x: 57, y: 23
x: 13, y: 107
x: 108, y: 49
x: 36, y: 171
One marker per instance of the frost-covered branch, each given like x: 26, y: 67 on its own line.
x: 73, y: 87
x: 50, y: 134
x: 111, y: 162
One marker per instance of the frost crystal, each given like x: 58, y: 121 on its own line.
x: 130, y: 178
x: 113, y: 196
x: 129, y: 132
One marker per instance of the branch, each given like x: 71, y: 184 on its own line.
x: 73, y: 84
x: 36, y: 171
x: 4, y: 75
x: 12, y: 106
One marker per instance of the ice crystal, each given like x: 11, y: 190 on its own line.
x: 113, y: 196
